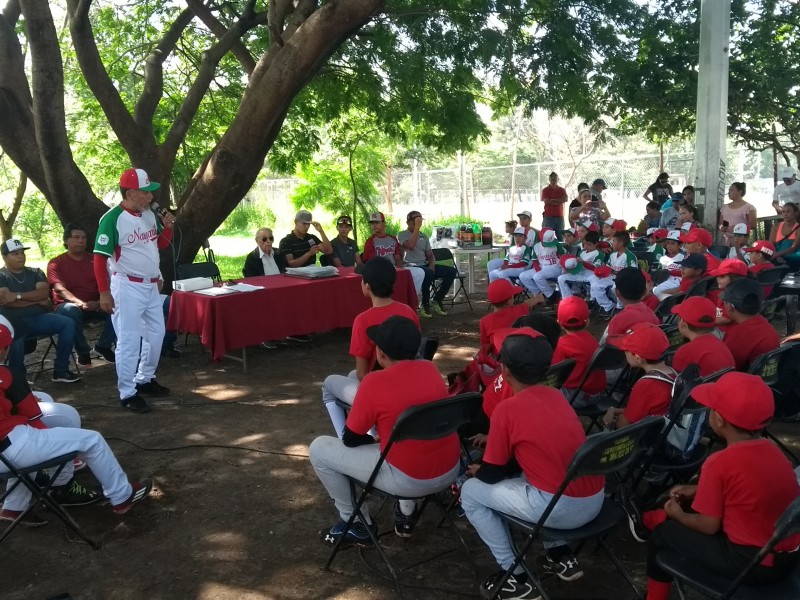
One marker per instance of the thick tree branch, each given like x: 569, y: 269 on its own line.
x: 7, y: 223
x: 154, y: 72
x: 239, y: 50
x: 276, y: 18
x: 304, y: 9
x: 11, y: 12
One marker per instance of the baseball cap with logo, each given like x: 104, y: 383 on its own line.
x: 651, y: 231
x: 698, y: 235
x: 519, y: 231
x: 688, y: 226
x: 376, y: 217
x: 609, y: 221
x: 675, y: 234
x: 698, y: 311
x: 643, y: 339
x: 501, y: 290
x: 12, y: 245
x: 571, y: 264
x: 741, y: 399
x: 729, y: 266
x: 549, y: 237
x: 344, y: 220
x: 525, y: 213
x: 693, y: 261
x: 661, y: 234
x: 397, y: 336
x: 137, y: 179
x: 573, y: 312
x: 766, y: 248
x: 741, y: 229
x: 569, y: 230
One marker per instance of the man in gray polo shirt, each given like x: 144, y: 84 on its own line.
x: 417, y: 253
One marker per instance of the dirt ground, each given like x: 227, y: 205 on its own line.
x: 237, y: 507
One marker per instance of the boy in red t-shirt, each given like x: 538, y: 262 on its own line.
x: 741, y: 493
x: 650, y: 300
x: 749, y: 335
x: 630, y: 288
x: 413, y: 468
x: 377, y: 283
x: 706, y: 350
x: 761, y: 255
x: 537, y: 431
x: 504, y: 312
x: 729, y: 270
x: 579, y: 345
x: 644, y: 345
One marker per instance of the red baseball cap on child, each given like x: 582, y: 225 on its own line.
x: 603, y: 271
x: 697, y: 310
x: 499, y: 336
x: 660, y: 234
x: 643, y: 339
x: 729, y: 266
x: 573, y: 312
x: 741, y: 399
x: 698, y: 234
x: 619, y: 225
x: 501, y: 290
x: 766, y: 248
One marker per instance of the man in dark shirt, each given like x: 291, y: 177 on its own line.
x: 345, y: 251
x: 25, y: 302
x: 300, y: 248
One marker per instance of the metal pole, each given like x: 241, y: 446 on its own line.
x: 712, y: 108
x: 462, y: 179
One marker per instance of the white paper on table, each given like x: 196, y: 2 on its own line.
x: 244, y: 287
x: 215, y: 291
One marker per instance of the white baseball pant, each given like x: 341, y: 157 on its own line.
x: 565, y: 281
x: 670, y: 284
x: 536, y: 281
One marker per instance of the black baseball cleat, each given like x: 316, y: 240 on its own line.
x: 152, y: 388
x: 136, y: 404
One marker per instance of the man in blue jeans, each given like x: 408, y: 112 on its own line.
x: 417, y: 252
x: 25, y: 302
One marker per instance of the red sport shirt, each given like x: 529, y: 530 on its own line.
x: 360, y: 344
x: 500, y: 319
x: 580, y: 346
x: 707, y: 351
x: 629, y: 316
x: 750, y: 339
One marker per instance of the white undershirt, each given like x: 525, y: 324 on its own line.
x: 268, y: 260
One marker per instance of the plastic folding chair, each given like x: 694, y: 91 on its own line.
x: 702, y: 286
x: 425, y: 422
x: 199, y: 269
x: 27, y: 476
x: 30, y: 347
x: 605, y: 358
x: 676, y: 340
x: 558, y: 373
x: 606, y: 453
x: 445, y: 256
x: 664, y: 309
x: 688, y: 574
x: 772, y: 279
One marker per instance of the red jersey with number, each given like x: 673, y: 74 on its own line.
x: 748, y: 485
x: 629, y: 316
x: 553, y: 193
x: 360, y: 344
x: 580, y: 346
x: 706, y: 351
x: 75, y: 275
x: 384, y: 395
x: 540, y: 429
x: 750, y: 339
x: 649, y: 397
x: 500, y: 319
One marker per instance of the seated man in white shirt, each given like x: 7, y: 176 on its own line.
x: 264, y: 260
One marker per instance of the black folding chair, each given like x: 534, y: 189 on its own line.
x: 523, y: 295
x: 32, y: 343
x: 768, y: 367
x: 688, y: 574
x: 605, y: 358
x: 606, y: 453
x: 772, y: 278
x: 676, y: 339
x: 199, y: 269
x: 445, y: 256
x: 558, y: 373
x: 702, y: 286
x: 27, y: 476
x: 426, y: 422
x: 664, y: 309
x: 719, y: 250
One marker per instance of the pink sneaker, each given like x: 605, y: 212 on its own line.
x: 78, y: 464
x: 141, y: 489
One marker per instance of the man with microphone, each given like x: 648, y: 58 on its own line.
x: 126, y: 266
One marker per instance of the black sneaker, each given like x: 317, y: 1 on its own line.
x: 65, y: 377
x: 631, y: 508
x: 74, y: 494
x: 84, y: 360
x: 107, y: 354
x: 299, y: 338
x: 171, y: 352
x: 356, y: 536
x: 139, y: 491
x: 152, y: 388
x: 404, y: 524
x: 136, y: 404
x: 31, y: 519
x: 513, y: 588
x: 566, y: 569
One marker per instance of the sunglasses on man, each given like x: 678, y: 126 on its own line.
x: 268, y: 238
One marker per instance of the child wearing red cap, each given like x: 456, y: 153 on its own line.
x: 644, y: 345
x: 761, y: 255
x: 500, y: 294
x: 729, y: 270
x: 579, y: 345
x: 697, y: 241
x: 741, y: 493
x: 704, y: 349
x: 749, y: 335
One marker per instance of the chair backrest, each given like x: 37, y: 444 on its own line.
x: 701, y: 287
x: 664, y: 309
x: 770, y: 308
x: 201, y: 269
x: 605, y: 358
x: 435, y: 420
x: 443, y: 255
x: 558, y: 373
x: 719, y: 251
x: 676, y: 340
x: 768, y: 365
x: 428, y: 347
x: 773, y: 276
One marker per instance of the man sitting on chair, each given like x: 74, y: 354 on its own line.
x: 413, y: 468
x: 264, y: 260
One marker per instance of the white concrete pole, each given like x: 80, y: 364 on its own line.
x: 712, y: 108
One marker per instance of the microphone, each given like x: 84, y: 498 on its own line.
x: 157, y: 209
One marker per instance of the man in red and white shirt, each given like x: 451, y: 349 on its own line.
x: 128, y: 240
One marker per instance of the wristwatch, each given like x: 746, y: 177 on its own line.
x: 19, y: 296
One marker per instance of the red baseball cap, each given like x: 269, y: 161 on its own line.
x: 741, y: 399
x: 573, y: 312
x: 698, y: 311
x: 619, y: 225
x: 499, y: 336
x: 660, y: 234
x: 6, y: 332
x: 729, y: 266
x: 643, y: 339
x: 762, y: 246
x: 602, y: 271
x: 501, y: 290
x: 137, y: 179
x: 376, y: 217
x: 698, y: 234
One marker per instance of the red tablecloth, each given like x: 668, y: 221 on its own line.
x: 286, y: 306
